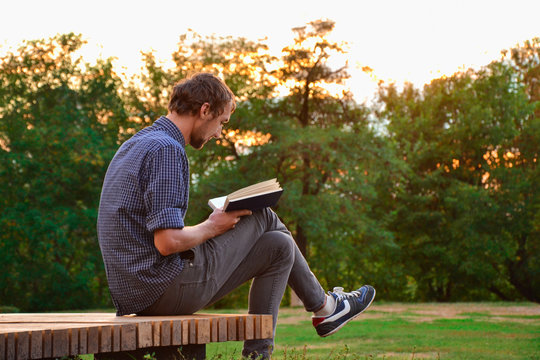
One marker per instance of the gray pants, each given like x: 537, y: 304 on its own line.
x: 260, y: 248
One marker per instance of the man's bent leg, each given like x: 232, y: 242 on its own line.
x: 213, y: 265
x: 223, y: 263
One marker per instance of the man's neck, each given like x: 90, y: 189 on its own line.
x: 184, y: 123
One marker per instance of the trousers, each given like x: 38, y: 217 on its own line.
x: 259, y: 247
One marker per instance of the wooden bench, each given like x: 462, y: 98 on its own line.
x: 107, y: 336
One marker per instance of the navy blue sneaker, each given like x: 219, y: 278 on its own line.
x: 348, y: 306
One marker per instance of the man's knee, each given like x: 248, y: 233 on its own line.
x: 280, y: 244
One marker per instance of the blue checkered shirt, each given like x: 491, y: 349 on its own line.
x: 146, y: 188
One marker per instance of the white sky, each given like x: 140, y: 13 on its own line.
x: 414, y: 40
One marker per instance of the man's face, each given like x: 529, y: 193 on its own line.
x: 208, y: 126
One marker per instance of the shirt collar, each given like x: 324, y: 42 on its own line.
x: 164, y: 123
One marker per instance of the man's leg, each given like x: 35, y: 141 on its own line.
x: 259, y: 247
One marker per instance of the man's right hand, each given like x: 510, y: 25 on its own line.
x: 223, y: 221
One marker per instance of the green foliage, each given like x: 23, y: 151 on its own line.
x: 60, y: 125
x: 429, y: 195
x: 468, y: 213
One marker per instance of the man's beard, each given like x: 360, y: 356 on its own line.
x: 198, y: 142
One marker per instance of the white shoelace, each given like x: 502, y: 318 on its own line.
x: 342, y: 294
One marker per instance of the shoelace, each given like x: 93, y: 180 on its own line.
x: 346, y: 295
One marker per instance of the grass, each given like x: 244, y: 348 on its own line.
x: 410, y: 331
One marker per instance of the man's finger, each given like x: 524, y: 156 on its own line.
x: 240, y: 213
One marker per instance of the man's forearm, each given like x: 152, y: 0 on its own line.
x: 170, y: 241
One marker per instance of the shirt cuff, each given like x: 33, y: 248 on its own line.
x: 171, y: 218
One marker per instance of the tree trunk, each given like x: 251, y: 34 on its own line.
x: 520, y: 274
x: 301, y: 240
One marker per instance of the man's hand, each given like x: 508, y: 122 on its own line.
x: 223, y: 221
x: 170, y: 241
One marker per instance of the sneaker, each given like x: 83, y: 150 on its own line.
x: 348, y: 306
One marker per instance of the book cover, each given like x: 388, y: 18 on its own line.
x: 258, y: 196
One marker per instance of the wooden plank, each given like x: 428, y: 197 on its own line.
x: 250, y: 327
x: 105, y: 338
x: 47, y: 343
x: 144, y: 335
x: 3, y: 339
x: 93, y: 339
x: 156, y: 333
x: 60, y: 317
x: 214, y: 322
x: 257, y: 326
x: 165, y: 333
x: 60, y: 343
x: 222, y: 330
x: 176, y: 329
x: 267, y: 330
x: 73, y: 341
x: 83, y: 341
x: 10, y: 347
x: 203, y: 331
x: 23, y: 345
x: 128, y: 336
x: 116, y: 339
x: 192, y: 331
x: 241, y: 328
x: 36, y: 344
x: 93, y: 318
x: 231, y: 329
x: 185, y: 332
x: 19, y: 327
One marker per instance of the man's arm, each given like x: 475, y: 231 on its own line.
x: 170, y: 241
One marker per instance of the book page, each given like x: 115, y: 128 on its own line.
x: 262, y: 187
x: 217, y: 203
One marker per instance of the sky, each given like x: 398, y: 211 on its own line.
x: 401, y: 40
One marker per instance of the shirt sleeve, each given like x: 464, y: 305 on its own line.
x: 166, y: 194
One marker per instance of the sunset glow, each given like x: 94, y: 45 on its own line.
x: 413, y: 41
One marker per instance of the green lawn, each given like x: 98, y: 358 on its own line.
x: 411, y: 331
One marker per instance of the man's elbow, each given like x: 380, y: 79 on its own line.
x: 164, y: 243
x: 164, y: 249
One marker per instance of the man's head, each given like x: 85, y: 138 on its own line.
x: 207, y: 102
x: 190, y: 94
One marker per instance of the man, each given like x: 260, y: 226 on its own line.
x: 157, y: 265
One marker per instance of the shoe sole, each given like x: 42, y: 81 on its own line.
x: 354, y: 317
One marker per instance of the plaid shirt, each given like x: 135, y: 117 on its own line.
x: 146, y: 188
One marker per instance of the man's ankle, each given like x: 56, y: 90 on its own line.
x: 328, y: 307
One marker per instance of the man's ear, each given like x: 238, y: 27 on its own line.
x: 205, y: 110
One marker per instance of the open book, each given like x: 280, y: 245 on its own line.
x: 257, y: 196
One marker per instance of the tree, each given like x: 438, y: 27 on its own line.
x: 467, y: 213
x: 60, y: 125
x: 331, y: 164
x: 318, y: 144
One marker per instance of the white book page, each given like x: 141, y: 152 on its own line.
x: 217, y: 203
